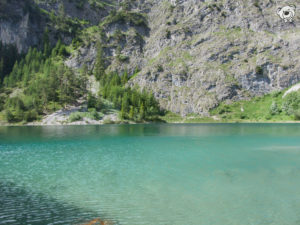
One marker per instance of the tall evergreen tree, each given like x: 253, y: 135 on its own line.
x: 1, y: 69
x: 142, y: 111
x: 131, y: 113
x: 99, y: 64
x: 46, y: 43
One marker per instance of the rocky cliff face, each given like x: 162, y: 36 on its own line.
x: 193, y: 54
x: 20, y: 24
x: 200, y: 53
x: 23, y: 22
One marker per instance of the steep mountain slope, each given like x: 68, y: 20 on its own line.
x: 192, y: 55
x: 196, y: 54
x: 214, y: 51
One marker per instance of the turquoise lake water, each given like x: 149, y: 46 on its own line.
x: 162, y: 174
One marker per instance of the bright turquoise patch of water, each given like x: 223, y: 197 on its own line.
x: 218, y: 174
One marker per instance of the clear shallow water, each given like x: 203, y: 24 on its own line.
x: 151, y: 174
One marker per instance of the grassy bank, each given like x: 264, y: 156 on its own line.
x: 268, y: 108
x: 265, y: 109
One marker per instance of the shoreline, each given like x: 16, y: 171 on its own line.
x: 136, y: 123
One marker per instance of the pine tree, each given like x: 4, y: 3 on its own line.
x: 55, y: 50
x: 61, y: 12
x: 83, y: 81
x: 26, y: 75
x: 142, y: 111
x: 98, y: 105
x: 133, y: 99
x: 9, y: 116
x: 84, y: 70
x: 125, y: 103
x: 123, y: 113
x: 131, y: 113
x: 91, y: 101
x: 99, y: 64
x: 119, y: 102
x: 124, y: 78
x: 46, y: 43
x: 52, y: 17
x: 274, y: 109
x: 1, y: 69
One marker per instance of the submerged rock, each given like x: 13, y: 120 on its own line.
x: 98, y: 221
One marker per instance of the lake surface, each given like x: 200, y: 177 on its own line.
x: 205, y: 174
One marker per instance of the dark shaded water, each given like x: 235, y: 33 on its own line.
x: 19, y: 206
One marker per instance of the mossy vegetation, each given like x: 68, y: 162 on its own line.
x: 268, y: 108
x: 92, y: 114
x: 271, y: 107
x: 133, y: 18
x: 170, y: 117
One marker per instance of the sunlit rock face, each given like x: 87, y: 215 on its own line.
x: 195, y: 54
x: 209, y: 52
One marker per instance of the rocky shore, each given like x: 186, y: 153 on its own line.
x: 62, y: 117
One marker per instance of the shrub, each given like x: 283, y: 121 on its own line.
x: 256, y: 4
x: 2, y: 102
x: 243, y: 116
x: 268, y: 117
x: 14, y: 116
x: 259, y: 70
x: 159, y: 68
x: 9, y: 116
x: 118, y: 35
x: 224, y: 109
x: 19, y: 115
x: 16, y: 103
x: 108, y: 121
x: 291, y: 103
x: 274, y: 109
x: 76, y: 42
x: 63, y: 51
x: 91, y: 101
x: 79, y: 4
x: 93, y: 114
x: 31, y: 115
x: 171, y: 8
x: 297, y: 114
x: 76, y: 116
x: 168, y: 34
x: 275, y: 94
x: 123, y: 58
x: 99, y: 105
x: 133, y: 18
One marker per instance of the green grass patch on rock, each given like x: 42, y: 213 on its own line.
x: 268, y: 108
